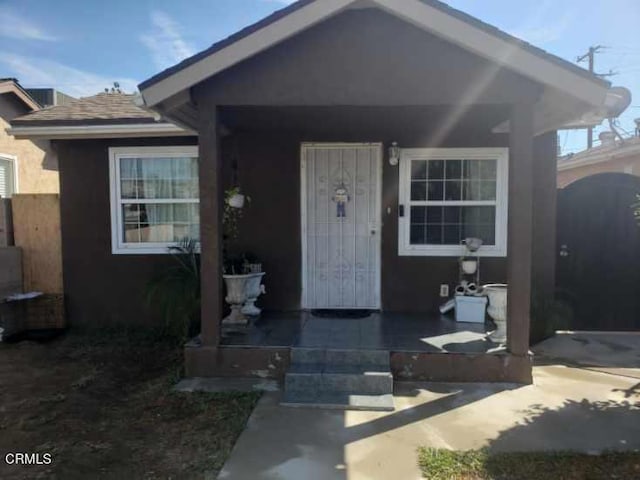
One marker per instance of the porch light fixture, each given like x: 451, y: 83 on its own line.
x: 394, y: 154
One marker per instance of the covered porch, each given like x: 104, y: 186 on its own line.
x: 262, y: 147
x: 369, y: 76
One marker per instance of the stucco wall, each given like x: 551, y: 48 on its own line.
x: 366, y: 57
x: 268, y: 160
x: 100, y: 288
x: 629, y: 165
x: 37, y: 163
x: 269, y: 171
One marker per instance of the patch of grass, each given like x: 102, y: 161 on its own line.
x: 438, y: 464
x: 104, y: 407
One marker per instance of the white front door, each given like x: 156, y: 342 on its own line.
x: 341, y: 225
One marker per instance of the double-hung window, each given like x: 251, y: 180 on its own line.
x: 7, y: 175
x: 449, y: 194
x: 154, y: 197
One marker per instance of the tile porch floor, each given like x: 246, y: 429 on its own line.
x: 383, y: 331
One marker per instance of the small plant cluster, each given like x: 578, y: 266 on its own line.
x: 240, y: 264
x: 175, y: 291
x: 550, y: 314
x: 231, y: 215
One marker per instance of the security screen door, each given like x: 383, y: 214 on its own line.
x: 341, y: 225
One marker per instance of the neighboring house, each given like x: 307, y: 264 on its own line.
x: 26, y: 166
x: 612, y: 155
x: 101, y: 288
x: 295, y: 107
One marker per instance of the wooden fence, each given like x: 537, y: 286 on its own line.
x: 36, y: 225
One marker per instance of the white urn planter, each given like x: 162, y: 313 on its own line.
x: 253, y: 289
x: 497, y: 310
x: 236, y: 296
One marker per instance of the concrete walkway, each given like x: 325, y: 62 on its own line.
x: 600, y: 351
x: 567, y: 408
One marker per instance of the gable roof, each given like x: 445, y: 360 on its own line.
x: 110, y: 114
x: 431, y: 15
x: 11, y: 85
x: 278, y: 14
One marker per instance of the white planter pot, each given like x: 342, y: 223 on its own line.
x: 497, y: 310
x: 253, y: 289
x: 469, y: 266
x: 236, y: 200
x: 236, y: 296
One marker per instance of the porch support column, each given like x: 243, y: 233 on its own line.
x: 519, y: 229
x: 544, y: 232
x: 211, y: 202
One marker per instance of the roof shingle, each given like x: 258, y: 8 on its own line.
x: 103, y: 108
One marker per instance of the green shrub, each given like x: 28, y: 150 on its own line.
x: 175, y: 292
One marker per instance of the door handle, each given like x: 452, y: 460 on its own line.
x: 564, y: 250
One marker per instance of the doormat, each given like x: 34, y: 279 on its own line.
x: 347, y: 313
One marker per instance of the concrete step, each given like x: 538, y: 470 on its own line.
x: 308, y: 356
x: 339, y: 378
x: 333, y: 356
x: 357, y: 357
x: 369, y: 383
x: 341, y: 401
x: 337, y: 368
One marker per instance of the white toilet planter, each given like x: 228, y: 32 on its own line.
x: 253, y: 289
x: 497, y: 310
x: 236, y: 296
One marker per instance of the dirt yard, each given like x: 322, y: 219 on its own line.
x: 104, y: 408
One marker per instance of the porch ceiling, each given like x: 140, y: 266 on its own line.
x: 377, y: 123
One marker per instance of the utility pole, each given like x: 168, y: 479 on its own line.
x: 590, y: 56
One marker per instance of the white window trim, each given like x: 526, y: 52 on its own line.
x: 502, y: 199
x: 14, y: 160
x: 118, y: 246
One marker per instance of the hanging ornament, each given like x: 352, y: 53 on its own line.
x: 341, y: 197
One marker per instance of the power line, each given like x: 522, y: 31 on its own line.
x: 590, y: 56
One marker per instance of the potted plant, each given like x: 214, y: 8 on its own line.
x: 234, y: 269
x: 469, y: 265
x: 242, y: 273
x: 234, y: 202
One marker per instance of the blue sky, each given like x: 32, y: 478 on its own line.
x: 82, y: 46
